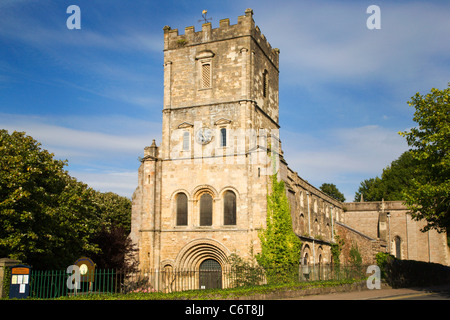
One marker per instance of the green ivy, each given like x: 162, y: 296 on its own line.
x: 6, y: 281
x: 336, y: 249
x: 280, y: 246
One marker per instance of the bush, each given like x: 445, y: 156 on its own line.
x: 246, y: 273
x: 382, y: 259
x: 410, y: 273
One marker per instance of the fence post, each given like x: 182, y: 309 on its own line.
x: 4, y: 264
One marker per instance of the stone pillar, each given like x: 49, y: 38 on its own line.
x: 5, y: 263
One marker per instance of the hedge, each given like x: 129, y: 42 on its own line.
x: 411, y: 273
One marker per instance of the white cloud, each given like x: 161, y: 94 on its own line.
x: 50, y: 33
x: 121, y: 182
x: 344, y: 156
x: 102, y: 158
x: 330, y: 41
x: 56, y: 136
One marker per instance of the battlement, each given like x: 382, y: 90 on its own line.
x: 245, y: 27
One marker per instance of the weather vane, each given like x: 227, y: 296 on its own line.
x: 204, y: 12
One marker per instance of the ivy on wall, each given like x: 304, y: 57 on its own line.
x: 280, y: 246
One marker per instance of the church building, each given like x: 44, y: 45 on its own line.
x: 202, y: 193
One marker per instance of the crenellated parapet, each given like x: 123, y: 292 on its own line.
x: 245, y: 27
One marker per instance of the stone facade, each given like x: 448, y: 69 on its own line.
x: 202, y: 194
x: 220, y: 109
x: 390, y: 222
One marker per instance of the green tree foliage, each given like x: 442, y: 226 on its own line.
x: 47, y: 218
x: 112, y: 208
x: 331, y: 190
x: 370, y: 189
x: 395, y: 178
x: 281, y: 248
x: 428, y: 196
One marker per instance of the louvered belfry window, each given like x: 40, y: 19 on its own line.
x: 206, y: 75
x: 186, y: 141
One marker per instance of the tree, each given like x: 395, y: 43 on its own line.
x: 370, y: 189
x: 331, y: 190
x: 280, y: 246
x: 394, y: 179
x: 114, y: 210
x: 38, y: 215
x: 48, y: 218
x: 428, y: 196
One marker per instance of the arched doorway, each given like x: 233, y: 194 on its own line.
x: 320, y: 266
x: 304, y: 262
x: 210, y: 274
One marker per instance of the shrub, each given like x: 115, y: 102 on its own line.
x: 382, y: 259
x: 410, y: 273
x: 245, y: 273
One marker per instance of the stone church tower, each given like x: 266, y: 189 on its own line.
x: 201, y: 194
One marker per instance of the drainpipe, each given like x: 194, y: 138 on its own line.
x: 309, y: 214
x: 309, y: 231
x: 389, y: 224
x: 314, y: 258
x: 407, y: 240
x: 332, y: 224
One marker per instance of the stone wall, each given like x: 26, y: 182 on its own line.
x: 237, y: 91
x: 390, y: 221
x: 238, y: 55
x: 227, y: 79
x: 366, y: 246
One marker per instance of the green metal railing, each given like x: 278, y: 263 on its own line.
x: 54, y: 283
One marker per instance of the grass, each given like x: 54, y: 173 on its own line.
x: 214, y: 294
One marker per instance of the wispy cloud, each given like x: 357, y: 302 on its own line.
x: 101, y: 158
x: 328, y: 41
x: 121, y: 182
x: 343, y: 156
x: 51, y: 33
x: 343, y: 87
x: 44, y: 130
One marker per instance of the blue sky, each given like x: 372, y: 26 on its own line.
x: 94, y: 96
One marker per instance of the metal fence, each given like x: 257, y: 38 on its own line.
x: 56, y: 283
x: 324, y: 272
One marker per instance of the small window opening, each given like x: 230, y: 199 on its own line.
x: 206, y: 75
x: 265, y: 83
x: 223, y: 137
x: 186, y: 141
